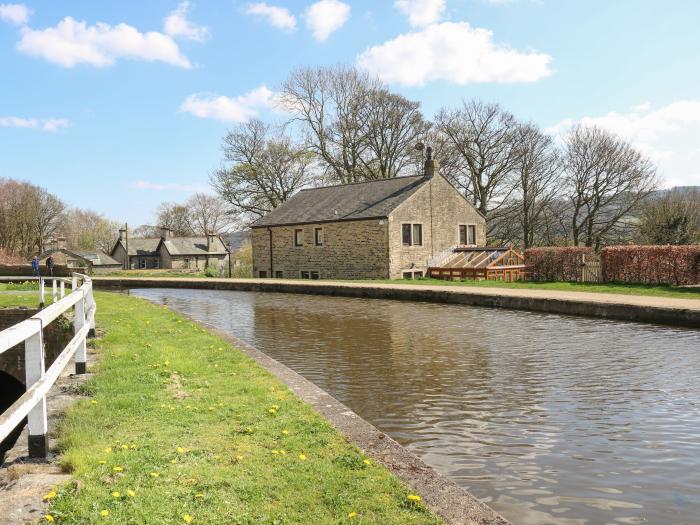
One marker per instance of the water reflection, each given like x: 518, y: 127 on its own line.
x: 549, y: 419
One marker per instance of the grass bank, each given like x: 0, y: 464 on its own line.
x: 179, y: 427
x: 614, y: 288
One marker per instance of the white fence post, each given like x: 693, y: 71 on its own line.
x: 78, y: 323
x: 91, y: 306
x: 34, y: 370
x: 74, y: 284
x: 41, y: 292
x: 55, y: 291
x: 63, y: 289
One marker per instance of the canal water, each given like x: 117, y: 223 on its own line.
x: 548, y: 419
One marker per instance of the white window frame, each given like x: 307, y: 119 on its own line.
x: 294, y: 237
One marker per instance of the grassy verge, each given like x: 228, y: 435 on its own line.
x: 28, y: 299
x: 182, y: 428
x: 616, y: 288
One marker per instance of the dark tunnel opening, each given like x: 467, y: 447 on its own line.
x: 10, y: 391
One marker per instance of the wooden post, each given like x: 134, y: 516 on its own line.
x: 55, y: 291
x: 41, y: 292
x: 91, y: 305
x: 34, y: 370
x: 78, y: 322
x: 74, y: 283
x: 63, y: 289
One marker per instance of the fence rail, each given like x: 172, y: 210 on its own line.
x: 39, y: 381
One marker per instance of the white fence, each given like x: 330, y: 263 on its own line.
x: 39, y: 381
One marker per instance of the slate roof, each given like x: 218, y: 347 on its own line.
x: 99, y: 258
x: 142, y: 246
x: 363, y: 200
x: 193, y: 246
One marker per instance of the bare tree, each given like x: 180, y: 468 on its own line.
x: 537, y: 171
x: 263, y: 169
x: 209, y: 213
x: 175, y: 217
x: 88, y: 230
x: 481, y: 148
x: 671, y: 218
x: 358, y: 128
x: 607, y: 179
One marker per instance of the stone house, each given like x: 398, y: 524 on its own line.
x: 384, y: 229
x: 96, y: 261
x: 170, y: 252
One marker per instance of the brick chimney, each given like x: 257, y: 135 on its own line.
x: 431, y: 166
x: 122, y: 233
x: 61, y: 243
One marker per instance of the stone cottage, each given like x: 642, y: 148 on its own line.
x: 170, y: 252
x: 389, y: 228
x: 96, y: 261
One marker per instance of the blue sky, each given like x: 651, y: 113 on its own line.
x: 118, y: 106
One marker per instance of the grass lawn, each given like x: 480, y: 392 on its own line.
x: 621, y: 288
x: 28, y: 299
x: 180, y: 427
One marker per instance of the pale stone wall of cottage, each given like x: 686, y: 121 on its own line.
x: 351, y: 250
x: 119, y: 254
x: 198, y: 262
x: 450, y: 210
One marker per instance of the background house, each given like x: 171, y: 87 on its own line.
x: 94, y: 262
x: 388, y: 228
x: 170, y: 252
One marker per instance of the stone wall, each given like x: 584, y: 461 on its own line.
x: 192, y: 262
x: 21, y: 270
x: 449, y: 210
x: 350, y: 250
x: 56, y: 336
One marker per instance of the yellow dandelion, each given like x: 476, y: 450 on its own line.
x: 51, y: 495
x: 187, y: 518
x: 154, y: 474
x: 285, y: 432
x: 249, y: 430
x: 367, y: 462
x: 180, y: 450
x: 276, y: 407
x: 125, y: 447
x: 302, y: 457
x: 239, y: 458
x: 352, y: 514
x: 104, y: 513
x: 108, y: 450
x: 133, y: 445
x: 102, y: 462
x: 191, y: 480
x: 275, y: 451
x: 199, y: 496
x: 173, y: 461
x: 413, y: 497
x: 272, y: 411
x: 117, y: 469
x: 116, y: 494
x: 49, y: 518
x: 131, y: 493
x: 283, y: 452
x: 93, y: 402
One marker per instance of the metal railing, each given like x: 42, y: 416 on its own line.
x: 32, y: 405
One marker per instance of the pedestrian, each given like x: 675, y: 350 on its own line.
x: 35, y: 266
x: 49, y: 265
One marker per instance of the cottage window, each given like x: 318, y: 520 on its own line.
x: 142, y: 263
x: 406, y: 234
x: 279, y: 274
x: 418, y: 235
x: 262, y: 274
x: 467, y: 234
x: 186, y: 262
x: 318, y: 236
x: 298, y: 237
x: 408, y: 275
x: 305, y: 274
x: 412, y: 234
x: 315, y: 275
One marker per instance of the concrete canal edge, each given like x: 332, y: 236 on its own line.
x: 644, y: 309
x: 446, y: 499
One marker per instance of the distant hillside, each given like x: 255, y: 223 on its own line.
x: 677, y: 189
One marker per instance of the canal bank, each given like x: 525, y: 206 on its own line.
x: 644, y: 309
x: 182, y: 427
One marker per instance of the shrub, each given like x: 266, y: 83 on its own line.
x: 210, y: 271
x: 556, y: 263
x: 678, y: 265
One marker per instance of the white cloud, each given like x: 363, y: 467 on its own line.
x: 227, y: 109
x: 17, y: 14
x: 668, y: 135
x: 326, y: 16
x: 176, y: 25
x: 44, y: 124
x: 279, y: 17
x: 421, y: 13
x: 169, y: 186
x: 72, y: 42
x: 454, y: 52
